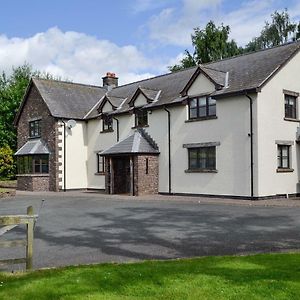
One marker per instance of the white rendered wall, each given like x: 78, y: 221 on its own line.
x: 272, y: 127
x: 99, y: 141
x: 76, y: 156
x: 231, y: 129
x: 201, y: 85
x: 140, y: 100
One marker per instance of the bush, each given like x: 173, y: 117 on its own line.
x: 7, y: 165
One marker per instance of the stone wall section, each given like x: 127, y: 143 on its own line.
x: 35, y: 108
x: 145, y: 184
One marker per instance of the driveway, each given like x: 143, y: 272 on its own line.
x: 82, y: 228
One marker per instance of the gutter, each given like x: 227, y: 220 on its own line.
x: 251, y: 144
x: 169, y: 150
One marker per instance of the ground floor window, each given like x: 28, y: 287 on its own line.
x: 33, y: 164
x: 100, y: 164
x: 202, y: 158
x: 283, y: 157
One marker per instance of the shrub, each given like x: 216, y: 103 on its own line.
x: 7, y: 165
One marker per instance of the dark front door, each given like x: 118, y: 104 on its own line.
x: 122, y: 177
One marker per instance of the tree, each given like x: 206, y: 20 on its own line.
x: 209, y: 44
x: 278, y: 32
x: 12, y: 90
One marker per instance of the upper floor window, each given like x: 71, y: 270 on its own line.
x: 202, y: 158
x: 33, y: 164
x: 107, y: 123
x: 201, y: 107
x: 35, y: 128
x: 141, y: 118
x: 290, y: 106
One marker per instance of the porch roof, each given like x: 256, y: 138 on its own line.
x: 140, y: 142
x: 31, y: 147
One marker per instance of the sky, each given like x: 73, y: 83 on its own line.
x: 81, y: 40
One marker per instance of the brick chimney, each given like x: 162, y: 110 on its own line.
x: 110, y: 81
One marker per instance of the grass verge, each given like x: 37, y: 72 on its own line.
x: 266, y: 276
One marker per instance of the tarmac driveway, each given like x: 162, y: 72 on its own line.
x: 89, y: 228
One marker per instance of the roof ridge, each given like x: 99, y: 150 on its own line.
x: 157, y: 76
x: 67, y: 82
x: 250, y: 53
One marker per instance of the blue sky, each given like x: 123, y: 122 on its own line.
x: 82, y: 40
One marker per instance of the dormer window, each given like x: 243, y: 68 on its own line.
x: 35, y: 129
x: 202, y: 107
x: 107, y: 123
x: 141, y: 118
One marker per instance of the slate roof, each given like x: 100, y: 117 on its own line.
x: 137, y: 143
x: 245, y: 73
x: 35, y: 146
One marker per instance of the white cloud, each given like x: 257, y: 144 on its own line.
x: 76, y: 56
x: 174, y: 25
x: 140, y: 6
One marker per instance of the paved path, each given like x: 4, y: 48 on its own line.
x: 80, y: 228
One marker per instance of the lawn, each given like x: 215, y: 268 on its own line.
x: 266, y: 276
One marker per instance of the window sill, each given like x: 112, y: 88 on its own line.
x: 201, y: 119
x: 291, y: 120
x: 201, y: 171
x: 284, y: 170
x: 136, y: 127
x: 34, y: 175
x: 34, y: 137
x: 99, y: 173
x: 107, y: 131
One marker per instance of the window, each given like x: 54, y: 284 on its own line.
x: 290, y: 106
x: 283, y: 157
x: 100, y: 164
x: 33, y: 164
x: 35, y: 128
x: 203, y: 158
x: 202, y: 107
x: 141, y: 118
x: 147, y: 166
x: 107, y: 123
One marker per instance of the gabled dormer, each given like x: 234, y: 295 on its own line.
x: 205, y: 80
x: 199, y: 92
x: 109, y: 104
x: 143, y: 96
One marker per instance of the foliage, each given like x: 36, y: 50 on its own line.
x: 7, y: 166
x: 12, y: 90
x: 268, y: 276
x: 210, y: 44
x: 279, y: 31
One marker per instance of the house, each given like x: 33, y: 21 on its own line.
x: 226, y: 128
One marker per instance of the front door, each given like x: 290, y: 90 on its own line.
x: 122, y: 177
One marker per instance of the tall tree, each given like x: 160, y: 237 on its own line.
x: 279, y: 31
x: 211, y: 43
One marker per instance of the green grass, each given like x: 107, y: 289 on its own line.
x: 268, y: 276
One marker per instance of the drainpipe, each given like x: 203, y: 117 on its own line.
x: 117, y: 127
x: 65, y: 150
x: 251, y: 142
x: 169, y: 148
